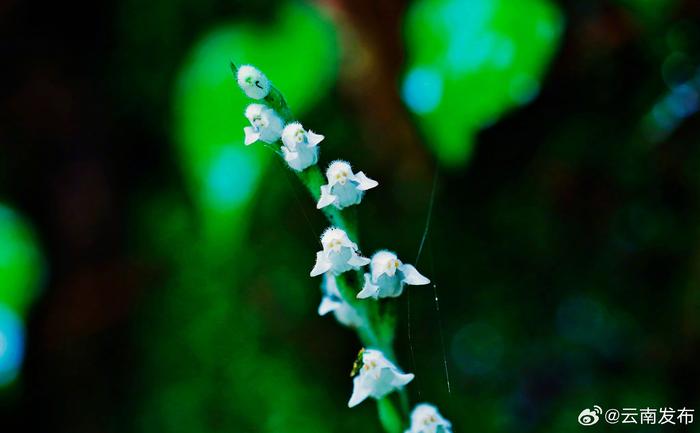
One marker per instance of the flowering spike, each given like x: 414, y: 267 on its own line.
x: 425, y: 418
x: 339, y: 254
x: 266, y: 125
x: 388, y: 275
x: 300, y: 147
x: 344, y: 188
x: 253, y: 82
x: 377, y: 377
x: 333, y: 302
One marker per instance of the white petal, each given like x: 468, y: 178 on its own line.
x: 330, y: 286
x: 357, y: 261
x: 327, y: 305
x: 322, y: 264
x: 314, y: 138
x: 250, y: 135
x: 289, y: 156
x: 326, y: 197
x: 368, y: 290
x: 359, y: 393
x: 364, y: 183
x: 402, y: 379
x: 412, y: 276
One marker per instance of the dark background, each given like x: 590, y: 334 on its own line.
x: 565, y: 251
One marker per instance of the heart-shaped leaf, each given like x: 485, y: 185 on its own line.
x: 471, y: 60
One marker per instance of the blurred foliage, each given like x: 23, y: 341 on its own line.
x: 21, y: 271
x: 215, y: 326
x: 471, y: 60
x: 652, y: 12
x: 21, y: 267
x: 11, y: 346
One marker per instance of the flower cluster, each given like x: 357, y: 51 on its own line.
x: 299, y: 146
x: 374, y: 374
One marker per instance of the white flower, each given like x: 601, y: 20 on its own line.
x: 300, y: 147
x: 339, y: 254
x: 425, y: 418
x: 377, y: 377
x: 253, y: 82
x: 266, y: 125
x: 333, y: 301
x: 388, y: 275
x: 344, y: 188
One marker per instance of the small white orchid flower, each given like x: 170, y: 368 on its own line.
x: 339, y: 254
x: 425, y: 418
x: 388, y: 275
x: 253, y: 82
x: 377, y: 377
x: 333, y: 302
x: 300, y: 147
x: 344, y: 188
x: 266, y: 125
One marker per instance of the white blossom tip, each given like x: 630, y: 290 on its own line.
x: 253, y: 82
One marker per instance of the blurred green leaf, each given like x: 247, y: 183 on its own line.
x: 21, y: 265
x: 471, y: 60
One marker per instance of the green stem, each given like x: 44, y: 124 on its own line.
x: 377, y: 329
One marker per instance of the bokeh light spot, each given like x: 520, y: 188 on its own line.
x: 11, y: 345
x: 232, y: 178
x: 422, y: 90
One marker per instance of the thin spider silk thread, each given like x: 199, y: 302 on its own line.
x: 429, y: 218
x: 437, y: 309
x: 294, y: 193
x: 408, y: 291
